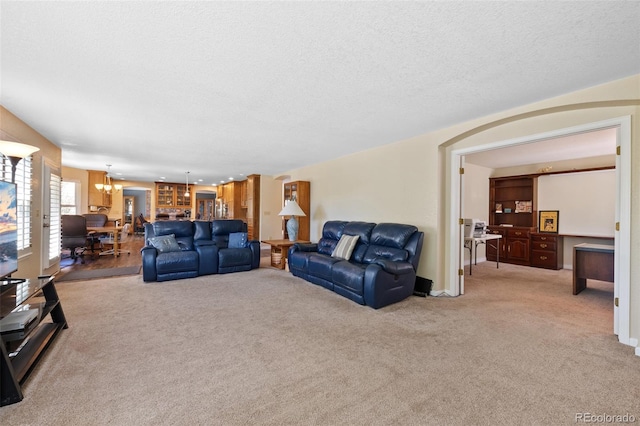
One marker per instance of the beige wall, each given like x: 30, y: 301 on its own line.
x: 476, y: 199
x: 408, y: 181
x: 14, y: 129
x: 271, y: 200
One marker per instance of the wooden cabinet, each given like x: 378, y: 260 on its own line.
x: 97, y: 197
x: 243, y: 193
x: 252, y: 194
x: 547, y: 251
x: 517, y: 245
x: 513, y: 201
x: 230, y: 194
x: 300, y: 192
x: 172, y: 195
x: 514, y: 245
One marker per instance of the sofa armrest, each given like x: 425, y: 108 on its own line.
x: 254, y: 245
x: 394, y: 267
x: 149, y: 270
x: 207, y: 257
x: 304, y: 247
x: 204, y: 243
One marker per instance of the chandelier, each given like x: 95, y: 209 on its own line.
x: 106, y: 187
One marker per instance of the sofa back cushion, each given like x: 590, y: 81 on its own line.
x: 331, y: 233
x: 390, y: 253
x: 202, y: 230
x: 220, y: 230
x: 363, y: 231
x: 182, y: 229
x: 388, y: 240
x: 392, y: 234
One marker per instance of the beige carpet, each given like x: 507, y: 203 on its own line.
x: 264, y: 347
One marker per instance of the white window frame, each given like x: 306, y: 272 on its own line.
x: 24, y: 174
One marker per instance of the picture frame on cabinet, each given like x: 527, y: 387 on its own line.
x: 523, y: 207
x: 548, y: 221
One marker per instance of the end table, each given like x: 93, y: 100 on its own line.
x: 279, y: 250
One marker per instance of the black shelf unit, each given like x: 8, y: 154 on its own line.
x: 22, y: 347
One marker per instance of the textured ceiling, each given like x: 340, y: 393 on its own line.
x: 228, y: 88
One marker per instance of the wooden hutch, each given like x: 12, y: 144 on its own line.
x: 513, y: 214
x: 300, y: 192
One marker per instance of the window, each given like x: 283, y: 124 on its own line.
x: 55, y: 223
x: 68, y: 198
x: 23, y: 181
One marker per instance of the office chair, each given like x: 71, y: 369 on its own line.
x: 95, y: 220
x: 139, y: 227
x: 74, y: 235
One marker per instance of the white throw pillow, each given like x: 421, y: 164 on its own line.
x: 345, y: 247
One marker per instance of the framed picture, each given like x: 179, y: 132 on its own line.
x: 523, y: 206
x: 549, y: 221
x: 498, y: 207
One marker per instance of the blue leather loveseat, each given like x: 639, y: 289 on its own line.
x: 380, y: 269
x: 176, y: 249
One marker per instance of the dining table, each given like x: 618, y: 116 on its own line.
x: 112, y: 231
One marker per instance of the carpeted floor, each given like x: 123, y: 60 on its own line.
x: 264, y: 347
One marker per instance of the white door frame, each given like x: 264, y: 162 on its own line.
x: 622, y: 271
x: 46, y: 259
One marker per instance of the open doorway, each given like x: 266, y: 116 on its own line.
x: 622, y: 127
x: 205, y: 206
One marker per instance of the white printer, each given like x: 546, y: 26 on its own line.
x: 475, y: 228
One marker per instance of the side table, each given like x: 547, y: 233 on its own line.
x: 279, y: 250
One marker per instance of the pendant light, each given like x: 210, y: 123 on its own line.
x: 186, y: 193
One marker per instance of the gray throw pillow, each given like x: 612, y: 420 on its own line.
x: 165, y: 243
x: 345, y: 247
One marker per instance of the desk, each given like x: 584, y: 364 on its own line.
x: 279, y: 251
x: 115, y: 230
x: 471, y: 243
x: 591, y: 261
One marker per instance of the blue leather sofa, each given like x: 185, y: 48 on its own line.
x: 202, y: 249
x: 380, y: 271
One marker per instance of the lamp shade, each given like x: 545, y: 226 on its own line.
x: 15, y: 149
x: 291, y: 208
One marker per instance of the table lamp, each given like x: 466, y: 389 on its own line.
x: 291, y: 208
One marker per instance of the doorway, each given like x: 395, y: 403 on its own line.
x: 205, y: 206
x: 129, y: 209
x: 455, y: 262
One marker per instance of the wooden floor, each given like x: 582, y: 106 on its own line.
x: 133, y: 244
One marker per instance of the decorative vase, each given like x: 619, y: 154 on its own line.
x: 292, y: 228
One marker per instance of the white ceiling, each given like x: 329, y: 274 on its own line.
x: 228, y: 88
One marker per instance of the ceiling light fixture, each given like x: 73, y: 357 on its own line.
x: 186, y: 193
x: 107, y: 186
